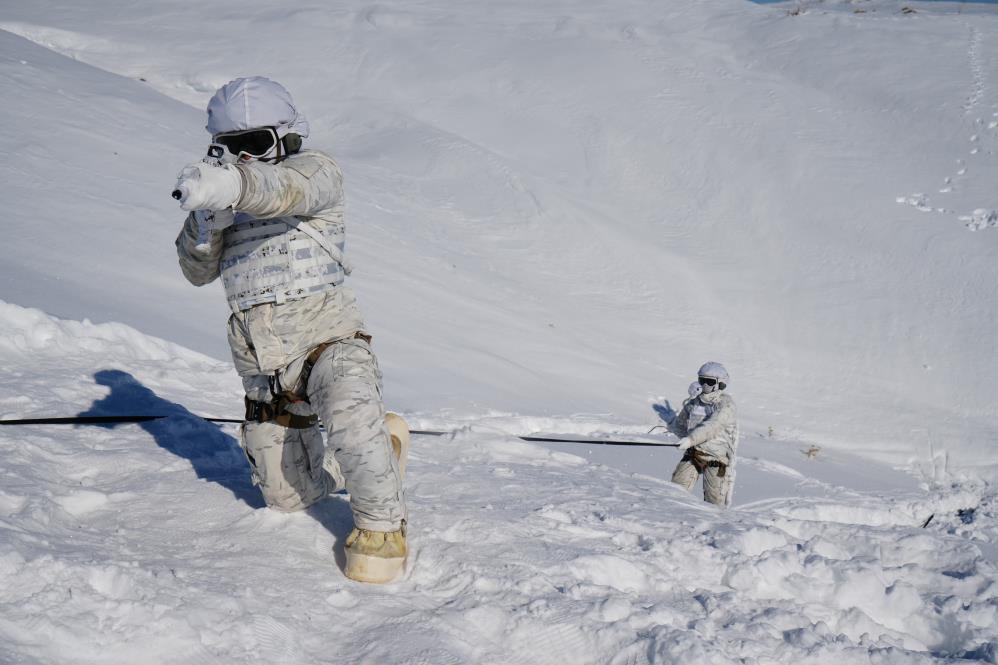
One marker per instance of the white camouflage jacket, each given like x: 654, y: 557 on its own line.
x: 716, y: 436
x: 269, y: 333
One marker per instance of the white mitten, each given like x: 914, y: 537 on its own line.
x: 684, y: 444
x: 201, y: 186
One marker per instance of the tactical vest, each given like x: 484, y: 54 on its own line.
x: 698, y: 412
x: 272, y: 261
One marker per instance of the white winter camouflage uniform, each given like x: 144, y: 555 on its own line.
x: 714, y: 440
x: 286, y: 295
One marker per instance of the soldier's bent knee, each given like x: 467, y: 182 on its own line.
x: 286, y: 464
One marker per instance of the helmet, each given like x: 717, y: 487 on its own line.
x: 256, y: 103
x: 716, y: 371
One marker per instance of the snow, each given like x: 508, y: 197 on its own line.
x: 148, y: 542
x: 558, y: 210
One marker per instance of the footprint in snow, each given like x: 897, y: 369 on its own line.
x: 918, y: 201
x: 981, y: 218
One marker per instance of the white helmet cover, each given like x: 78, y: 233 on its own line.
x: 256, y: 101
x: 714, y: 370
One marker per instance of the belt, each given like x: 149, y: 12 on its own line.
x: 700, y: 464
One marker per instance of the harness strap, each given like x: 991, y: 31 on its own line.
x: 313, y: 357
x: 277, y: 410
x: 701, y: 464
x: 306, y: 227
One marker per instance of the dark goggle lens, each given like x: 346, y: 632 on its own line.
x: 707, y: 381
x: 255, y: 142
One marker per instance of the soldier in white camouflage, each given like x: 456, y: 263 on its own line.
x: 708, y: 424
x: 267, y: 217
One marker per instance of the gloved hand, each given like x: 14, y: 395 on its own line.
x: 685, y: 443
x: 201, y: 186
x: 209, y: 222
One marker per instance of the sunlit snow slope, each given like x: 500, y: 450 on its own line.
x: 562, y: 207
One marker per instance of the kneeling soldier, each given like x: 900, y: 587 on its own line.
x: 267, y: 217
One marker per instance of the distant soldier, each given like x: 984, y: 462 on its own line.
x: 708, y: 424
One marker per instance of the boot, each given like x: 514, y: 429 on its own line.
x: 375, y: 556
x: 399, y: 431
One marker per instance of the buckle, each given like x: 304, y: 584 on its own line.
x: 256, y: 411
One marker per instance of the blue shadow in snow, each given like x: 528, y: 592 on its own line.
x: 215, y: 456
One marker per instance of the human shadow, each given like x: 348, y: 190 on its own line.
x: 335, y: 515
x: 214, y: 455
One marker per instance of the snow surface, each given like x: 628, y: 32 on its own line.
x: 557, y: 210
x: 147, y: 543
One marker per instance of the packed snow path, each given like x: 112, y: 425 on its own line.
x: 147, y: 543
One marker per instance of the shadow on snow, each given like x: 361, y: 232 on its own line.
x: 215, y: 456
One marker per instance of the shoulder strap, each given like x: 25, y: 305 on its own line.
x: 308, y: 229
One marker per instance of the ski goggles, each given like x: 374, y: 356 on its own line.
x: 250, y: 142
x: 707, y: 381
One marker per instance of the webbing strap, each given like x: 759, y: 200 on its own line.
x: 277, y: 412
x: 310, y: 360
x: 305, y: 227
x: 701, y: 464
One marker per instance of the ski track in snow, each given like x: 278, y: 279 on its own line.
x: 146, y: 543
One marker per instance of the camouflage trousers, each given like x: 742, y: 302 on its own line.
x: 294, y: 468
x: 717, y: 489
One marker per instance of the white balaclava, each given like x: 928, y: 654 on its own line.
x: 251, y: 103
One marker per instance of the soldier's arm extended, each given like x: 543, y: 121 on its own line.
x: 303, y: 185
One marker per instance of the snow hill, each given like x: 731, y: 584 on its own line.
x: 557, y: 211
